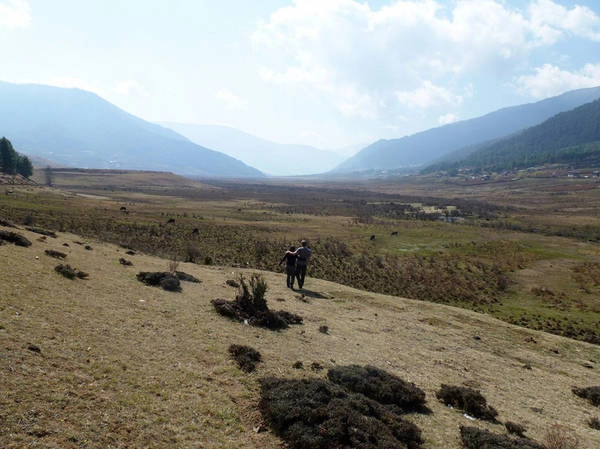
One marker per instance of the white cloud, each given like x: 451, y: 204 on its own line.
x: 550, y: 80
x: 231, y: 100
x: 447, y: 119
x: 374, y: 62
x: 551, y: 21
x: 428, y: 96
x: 15, y: 14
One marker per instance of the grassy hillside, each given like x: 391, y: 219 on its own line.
x: 109, y: 362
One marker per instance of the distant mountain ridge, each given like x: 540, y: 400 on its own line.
x: 571, y: 137
x: 73, y: 127
x: 427, y: 146
x: 269, y: 157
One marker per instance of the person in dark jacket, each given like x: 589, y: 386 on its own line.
x: 303, y: 255
x: 290, y: 266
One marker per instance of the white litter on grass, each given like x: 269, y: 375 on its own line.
x: 472, y: 418
x: 142, y: 300
x: 246, y: 322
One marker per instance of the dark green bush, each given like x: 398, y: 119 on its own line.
x: 379, y: 385
x: 42, y: 231
x: 251, y: 307
x: 592, y: 394
x: 70, y: 272
x: 13, y: 237
x: 515, y: 429
x: 474, y: 438
x: 165, y: 279
x: 55, y: 254
x: 317, y: 414
x: 245, y: 356
x: 468, y: 400
x: 170, y: 283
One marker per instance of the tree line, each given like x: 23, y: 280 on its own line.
x: 13, y: 163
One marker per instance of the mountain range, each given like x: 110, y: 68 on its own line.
x: 269, y: 157
x: 72, y: 127
x: 428, y: 146
x: 571, y: 137
x: 75, y: 128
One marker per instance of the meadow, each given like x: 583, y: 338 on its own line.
x: 103, y: 360
x: 525, y: 250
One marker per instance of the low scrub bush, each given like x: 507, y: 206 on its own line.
x: 468, y: 400
x: 379, y: 385
x: 168, y: 281
x: 55, y: 254
x: 251, y: 307
x: 474, y: 438
x: 245, y: 356
x: 125, y: 262
x: 594, y: 423
x: 70, y: 272
x: 42, y: 231
x: 316, y: 414
x: 592, y: 394
x: 170, y: 284
x: 13, y: 237
x: 560, y: 437
x: 515, y: 429
x: 6, y: 223
x: 186, y: 277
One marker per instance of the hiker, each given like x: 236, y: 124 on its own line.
x: 290, y: 266
x: 303, y: 254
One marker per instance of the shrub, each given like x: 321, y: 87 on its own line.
x: 379, y: 385
x: 186, y: 277
x: 594, y: 423
x: 319, y: 414
x: 468, y: 400
x: 13, y: 237
x: 592, y: 394
x: 170, y: 283
x: 515, y: 429
x: 474, y: 438
x: 125, y: 262
x: 6, y: 223
x: 164, y: 279
x: 70, y: 272
x: 245, y: 356
x: 561, y: 437
x: 250, y: 306
x: 42, y: 231
x: 55, y: 254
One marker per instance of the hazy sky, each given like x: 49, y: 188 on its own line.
x: 328, y: 73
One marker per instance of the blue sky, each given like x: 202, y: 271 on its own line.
x: 328, y: 73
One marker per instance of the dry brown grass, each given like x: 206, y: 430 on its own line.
x: 121, y: 364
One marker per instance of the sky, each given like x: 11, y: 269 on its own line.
x: 335, y: 74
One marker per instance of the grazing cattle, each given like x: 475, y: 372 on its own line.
x: 170, y: 220
x: 395, y: 233
x: 195, y: 231
x: 373, y: 237
x: 123, y: 208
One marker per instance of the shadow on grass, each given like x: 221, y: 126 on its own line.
x: 312, y: 294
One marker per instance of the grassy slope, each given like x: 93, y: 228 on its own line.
x: 125, y: 365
